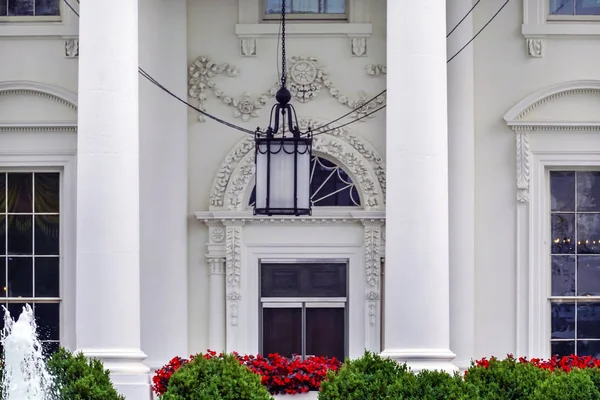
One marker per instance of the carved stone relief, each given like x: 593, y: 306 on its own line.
x: 248, y: 47
x: 233, y: 266
x: 356, y: 156
x: 535, y: 47
x: 307, y: 78
x: 72, y: 48
x: 359, y: 46
x: 373, y: 253
x: 216, y: 265
x: 523, y: 161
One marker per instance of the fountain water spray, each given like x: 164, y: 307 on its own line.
x: 25, y: 374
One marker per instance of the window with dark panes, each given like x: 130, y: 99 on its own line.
x: 574, y: 7
x: 304, y: 309
x: 29, y: 8
x: 309, y: 9
x: 30, y: 248
x: 330, y: 186
x: 575, y: 262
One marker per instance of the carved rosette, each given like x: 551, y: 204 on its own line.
x: 306, y: 79
x: 233, y: 266
x: 523, y: 165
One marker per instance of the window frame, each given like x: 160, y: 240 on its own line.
x: 299, y: 17
x: 538, y: 23
x: 305, y: 302
x: 575, y: 299
x: 36, y: 18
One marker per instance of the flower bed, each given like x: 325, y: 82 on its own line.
x: 278, y: 374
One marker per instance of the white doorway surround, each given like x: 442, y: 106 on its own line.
x: 240, y: 241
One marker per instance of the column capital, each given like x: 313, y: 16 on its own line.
x: 216, y: 265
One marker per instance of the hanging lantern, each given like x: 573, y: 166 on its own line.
x: 283, y: 155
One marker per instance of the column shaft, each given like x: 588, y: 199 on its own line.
x: 108, y: 270
x: 417, y: 262
x: 461, y: 155
x: 216, y: 312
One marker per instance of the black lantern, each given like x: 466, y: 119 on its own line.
x: 283, y: 155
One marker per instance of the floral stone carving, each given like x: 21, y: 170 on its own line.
x: 306, y: 79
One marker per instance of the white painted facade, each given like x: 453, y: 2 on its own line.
x: 462, y: 153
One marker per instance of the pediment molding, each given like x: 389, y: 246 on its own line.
x: 30, y: 88
x: 514, y: 118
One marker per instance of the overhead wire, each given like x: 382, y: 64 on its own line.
x: 357, y: 109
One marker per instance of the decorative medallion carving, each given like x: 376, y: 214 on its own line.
x: 307, y: 78
x: 535, y: 47
x: 354, y: 155
x: 523, y: 168
x: 248, y: 47
x: 217, y: 234
x: 72, y: 48
x: 358, y: 46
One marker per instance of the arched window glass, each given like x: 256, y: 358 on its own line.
x: 330, y: 186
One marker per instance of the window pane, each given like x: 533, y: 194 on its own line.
x: 20, y: 193
x: 588, y: 276
x: 20, y: 237
x: 588, y: 321
x: 303, y: 280
x: 307, y: 6
x: 563, y: 234
x: 47, y: 317
x: 588, y: 348
x: 325, y: 328
x: 20, y: 277
x: 563, y: 321
x: 588, y: 234
x: 282, y: 331
x: 3, y: 10
x: 562, y: 187
x: 20, y: 7
x: 47, y: 187
x: 47, y: 277
x: 587, y: 7
x: 47, y: 7
x: 46, y: 234
x: 563, y: 348
x: 562, y: 7
x: 563, y: 276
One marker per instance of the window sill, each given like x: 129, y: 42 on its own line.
x: 37, y: 29
x: 329, y: 29
x: 562, y: 29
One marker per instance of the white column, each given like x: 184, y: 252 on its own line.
x: 461, y: 155
x: 108, y: 267
x: 216, y: 311
x: 417, y: 324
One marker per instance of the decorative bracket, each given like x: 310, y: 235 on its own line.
x: 535, y: 47
x: 72, y: 47
x: 523, y: 165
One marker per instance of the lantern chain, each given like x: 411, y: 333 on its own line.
x: 283, y: 70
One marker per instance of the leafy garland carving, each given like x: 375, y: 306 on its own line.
x: 523, y: 170
x: 372, y: 257
x: 239, y: 183
x: 233, y: 261
x: 306, y: 79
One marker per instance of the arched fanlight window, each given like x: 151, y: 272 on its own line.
x: 330, y: 186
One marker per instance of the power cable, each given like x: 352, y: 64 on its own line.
x: 463, y: 18
x: 478, y: 32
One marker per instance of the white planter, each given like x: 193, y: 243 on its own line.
x: 301, y: 396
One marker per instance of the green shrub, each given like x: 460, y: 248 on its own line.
x: 77, y: 377
x: 575, y: 385
x: 216, y: 378
x: 369, y: 377
x: 506, y: 379
x: 439, y: 385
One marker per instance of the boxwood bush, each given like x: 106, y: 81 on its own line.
x: 77, y: 377
x: 215, y: 378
